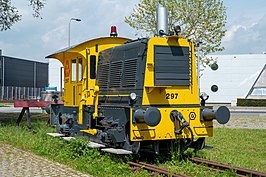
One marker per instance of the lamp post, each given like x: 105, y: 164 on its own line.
x: 74, y: 19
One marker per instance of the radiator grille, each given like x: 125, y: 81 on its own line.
x: 116, y: 73
x: 103, y: 76
x: 172, y: 65
x: 130, y: 71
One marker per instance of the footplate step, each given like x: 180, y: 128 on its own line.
x: 95, y: 145
x: 55, y: 134
x: 117, y: 151
x: 68, y: 138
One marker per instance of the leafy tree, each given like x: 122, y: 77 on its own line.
x: 200, y: 20
x: 9, y: 14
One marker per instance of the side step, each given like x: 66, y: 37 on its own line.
x: 95, y: 145
x: 55, y: 134
x: 68, y: 138
x: 117, y: 151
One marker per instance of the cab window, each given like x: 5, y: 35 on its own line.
x: 80, y: 69
x: 74, y: 71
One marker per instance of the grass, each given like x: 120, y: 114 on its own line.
x: 75, y: 154
x: 6, y: 104
x: 240, y: 147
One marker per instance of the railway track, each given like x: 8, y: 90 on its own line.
x: 212, y: 165
x: 154, y: 169
x: 220, y: 167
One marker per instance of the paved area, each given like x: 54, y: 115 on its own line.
x: 250, y: 122
x: 12, y: 109
x: 15, y: 162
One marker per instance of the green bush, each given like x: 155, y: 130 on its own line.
x: 251, y: 102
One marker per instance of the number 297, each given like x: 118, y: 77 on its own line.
x: 171, y: 96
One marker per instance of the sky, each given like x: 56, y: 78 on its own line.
x: 34, y: 38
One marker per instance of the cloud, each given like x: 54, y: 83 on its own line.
x: 96, y: 19
x: 36, y: 38
x: 54, y: 37
x: 229, y: 35
x: 246, y: 38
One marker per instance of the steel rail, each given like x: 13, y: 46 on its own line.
x: 155, y: 169
x: 220, y: 166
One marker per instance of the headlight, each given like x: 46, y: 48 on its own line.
x: 133, y: 96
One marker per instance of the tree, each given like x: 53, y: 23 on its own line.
x: 9, y: 14
x: 200, y: 20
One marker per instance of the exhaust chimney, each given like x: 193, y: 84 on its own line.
x: 162, y: 20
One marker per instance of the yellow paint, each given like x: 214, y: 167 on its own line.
x: 156, y: 95
x: 96, y: 98
x: 90, y: 131
x: 165, y: 129
x: 75, y: 92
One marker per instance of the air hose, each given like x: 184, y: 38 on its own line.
x: 177, y: 116
x: 192, y: 137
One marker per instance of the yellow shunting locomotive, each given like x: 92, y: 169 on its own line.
x: 134, y: 94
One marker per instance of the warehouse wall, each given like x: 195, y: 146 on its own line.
x: 23, y: 73
x: 234, y: 77
x: 42, y: 75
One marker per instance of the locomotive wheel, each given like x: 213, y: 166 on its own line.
x: 63, y: 126
x: 199, y: 144
x: 58, y: 126
x: 134, y: 146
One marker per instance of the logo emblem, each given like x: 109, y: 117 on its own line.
x: 192, y: 115
x: 67, y: 69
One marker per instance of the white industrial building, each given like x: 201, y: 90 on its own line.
x: 55, y: 74
x: 237, y: 76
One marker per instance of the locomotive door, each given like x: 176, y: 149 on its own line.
x: 76, y: 80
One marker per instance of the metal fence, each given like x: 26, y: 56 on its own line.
x: 9, y: 93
